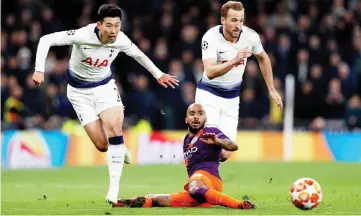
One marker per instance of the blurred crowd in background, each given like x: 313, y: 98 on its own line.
x: 318, y: 41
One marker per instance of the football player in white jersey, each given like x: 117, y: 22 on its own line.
x: 91, y: 89
x: 225, y: 49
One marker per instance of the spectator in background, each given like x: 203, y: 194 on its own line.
x: 283, y: 56
x: 356, y: 58
x: 317, y: 124
x: 270, y: 39
x: 141, y: 102
x: 302, y: 32
x: 302, y: 65
x: 13, y: 107
x: 189, y: 41
x: 144, y: 45
x: 316, y: 52
x: 197, y: 70
x: 317, y: 41
x: 248, y: 110
x: 282, y: 19
x: 335, y: 60
x: 34, y: 103
x: 160, y: 54
x: 172, y: 99
x: 59, y: 104
x: 253, y: 79
x: 353, y: 113
x: 176, y: 68
x: 4, y: 92
x: 335, y: 100
x: 304, y: 108
x: 187, y: 61
x: 347, y: 83
x: 49, y: 24
x: 319, y: 83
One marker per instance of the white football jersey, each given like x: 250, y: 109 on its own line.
x: 90, y: 59
x: 214, y: 45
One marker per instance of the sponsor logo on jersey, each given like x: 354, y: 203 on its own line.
x: 95, y: 62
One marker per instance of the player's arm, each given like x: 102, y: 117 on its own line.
x: 133, y: 51
x: 225, y: 155
x: 213, y: 70
x: 209, y: 56
x: 219, y: 140
x: 266, y: 69
x: 55, y: 39
x: 227, y: 144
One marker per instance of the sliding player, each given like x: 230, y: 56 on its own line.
x: 202, y: 154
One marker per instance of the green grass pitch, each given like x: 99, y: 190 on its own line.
x: 82, y: 190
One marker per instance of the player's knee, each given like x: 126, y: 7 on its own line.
x: 115, y: 128
x: 102, y: 148
x: 193, y: 189
x: 101, y: 145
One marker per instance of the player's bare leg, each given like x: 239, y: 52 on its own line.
x: 112, y: 118
x: 199, y: 191
x: 97, y: 135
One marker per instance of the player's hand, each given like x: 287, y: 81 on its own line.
x: 209, y: 138
x: 242, y: 53
x: 167, y: 80
x: 38, y: 78
x: 277, y: 98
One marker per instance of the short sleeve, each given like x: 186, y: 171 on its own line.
x: 256, y: 44
x: 208, y: 46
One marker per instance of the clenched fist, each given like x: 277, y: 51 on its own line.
x: 242, y: 53
x: 38, y: 78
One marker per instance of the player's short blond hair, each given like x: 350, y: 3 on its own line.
x: 235, y: 5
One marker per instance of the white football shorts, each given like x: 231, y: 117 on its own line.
x: 221, y: 112
x: 88, y: 103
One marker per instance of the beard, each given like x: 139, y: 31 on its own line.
x: 195, y: 130
x: 233, y: 34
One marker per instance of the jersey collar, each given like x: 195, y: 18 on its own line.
x: 221, y: 31
x: 96, y: 31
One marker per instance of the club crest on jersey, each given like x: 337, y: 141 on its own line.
x: 96, y: 63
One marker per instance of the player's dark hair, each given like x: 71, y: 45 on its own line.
x: 109, y: 10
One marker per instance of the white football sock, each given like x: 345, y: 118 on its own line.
x: 115, y: 156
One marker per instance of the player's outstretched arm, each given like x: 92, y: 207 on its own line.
x: 266, y: 69
x: 55, y: 39
x: 225, y: 143
x: 133, y: 51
